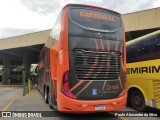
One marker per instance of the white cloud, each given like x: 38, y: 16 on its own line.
x: 156, y: 3
x: 15, y: 15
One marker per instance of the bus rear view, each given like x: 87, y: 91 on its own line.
x: 92, y: 60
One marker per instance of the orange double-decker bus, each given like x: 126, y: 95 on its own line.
x: 83, y: 63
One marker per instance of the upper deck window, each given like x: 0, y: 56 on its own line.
x: 94, y: 19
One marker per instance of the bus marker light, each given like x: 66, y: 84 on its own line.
x: 84, y: 105
x: 114, y: 103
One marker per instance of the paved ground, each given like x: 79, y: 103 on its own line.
x: 7, y: 94
x: 11, y: 99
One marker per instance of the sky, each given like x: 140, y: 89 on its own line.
x: 19, y: 17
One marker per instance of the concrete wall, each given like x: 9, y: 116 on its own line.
x: 147, y: 19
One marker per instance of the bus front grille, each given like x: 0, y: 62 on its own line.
x: 97, y: 65
x: 156, y: 90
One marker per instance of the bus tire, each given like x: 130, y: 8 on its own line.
x: 46, y: 95
x: 137, y: 100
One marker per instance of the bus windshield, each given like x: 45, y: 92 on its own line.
x: 100, y: 20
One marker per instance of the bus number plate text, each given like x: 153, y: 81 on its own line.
x: 100, y: 107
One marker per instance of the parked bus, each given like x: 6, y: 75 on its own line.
x: 82, y: 65
x: 143, y: 71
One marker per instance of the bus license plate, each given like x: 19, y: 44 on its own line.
x: 99, y: 107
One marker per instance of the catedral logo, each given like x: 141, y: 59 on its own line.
x: 140, y: 70
x: 96, y: 16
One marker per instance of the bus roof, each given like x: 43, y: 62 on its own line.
x: 142, y: 37
x: 92, y: 7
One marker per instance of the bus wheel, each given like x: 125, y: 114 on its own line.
x: 137, y: 100
x: 46, y: 95
x: 49, y: 100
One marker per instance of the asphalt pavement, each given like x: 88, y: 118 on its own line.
x: 12, y: 99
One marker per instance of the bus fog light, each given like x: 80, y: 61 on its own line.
x: 84, y: 105
x: 114, y: 103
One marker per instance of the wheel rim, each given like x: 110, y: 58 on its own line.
x: 49, y: 100
x: 49, y: 97
x: 137, y: 100
x: 45, y: 95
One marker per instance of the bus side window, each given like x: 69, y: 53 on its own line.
x: 149, y: 44
x: 56, y: 29
x: 158, y: 46
x: 127, y: 55
x: 158, y: 39
x: 139, y: 50
x: 150, y: 40
x: 133, y: 54
x: 150, y: 47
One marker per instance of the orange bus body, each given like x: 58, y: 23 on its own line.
x: 55, y: 63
